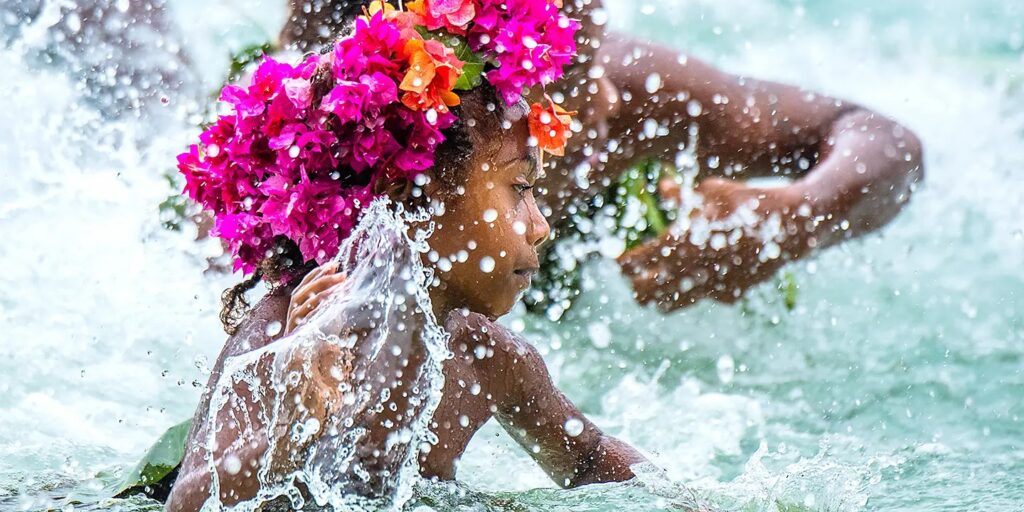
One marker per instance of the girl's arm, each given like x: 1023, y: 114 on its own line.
x: 567, y: 446
x: 239, y: 451
x: 853, y: 168
x: 243, y: 437
x: 570, y: 448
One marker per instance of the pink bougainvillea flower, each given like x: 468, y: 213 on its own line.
x: 288, y: 164
x: 247, y: 236
x: 529, y: 39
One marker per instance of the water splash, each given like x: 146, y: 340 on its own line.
x: 320, y: 393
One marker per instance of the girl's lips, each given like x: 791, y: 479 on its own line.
x: 523, y: 276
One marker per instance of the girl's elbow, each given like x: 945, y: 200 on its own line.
x: 190, y: 491
x: 911, y: 151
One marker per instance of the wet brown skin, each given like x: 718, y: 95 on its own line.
x: 494, y: 372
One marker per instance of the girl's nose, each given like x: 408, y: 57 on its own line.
x: 539, y: 230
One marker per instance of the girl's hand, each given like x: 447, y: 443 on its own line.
x: 314, y: 288
x: 672, y: 272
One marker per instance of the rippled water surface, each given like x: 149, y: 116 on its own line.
x: 897, y: 382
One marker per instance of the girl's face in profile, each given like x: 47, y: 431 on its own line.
x: 490, y: 231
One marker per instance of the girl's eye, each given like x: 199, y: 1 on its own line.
x: 521, y: 188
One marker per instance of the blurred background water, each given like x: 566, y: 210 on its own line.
x: 896, y: 383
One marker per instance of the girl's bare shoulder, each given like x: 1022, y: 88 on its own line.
x: 475, y: 333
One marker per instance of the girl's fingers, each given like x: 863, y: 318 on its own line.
x: 301, y: 293
x: 315, y: 301
x: 298, y: 311
x: 313, y: 274
x: 324, y: 283
x: 308, y: 286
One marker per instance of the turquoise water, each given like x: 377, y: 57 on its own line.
x: 897, y: 382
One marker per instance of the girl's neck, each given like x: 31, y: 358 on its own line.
x: 442, y: 303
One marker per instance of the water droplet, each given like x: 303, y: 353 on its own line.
x: 474, y: 389
x: 431, y: 116
x: 293, y: 151
x: 73, y: 21
x: 464, y: 421
x: 612, y: 247
x: 490, y: 215
x: 650, y: 128
x: 519, y: 227
x: 726, y: 369
x: 232, y: 464
x: 694, y: 108
x: 653, y: 83
x: 213, y: 150
x: 600, y: 334
x: 573, y: 427
x: 273, y: 328
x: 487, y: 264
x: 312, y: 425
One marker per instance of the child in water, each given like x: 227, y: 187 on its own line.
x: 474, y: 162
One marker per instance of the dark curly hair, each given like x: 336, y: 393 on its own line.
x: 481, y: 112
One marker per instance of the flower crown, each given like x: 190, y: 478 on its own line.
x: 283, y: 165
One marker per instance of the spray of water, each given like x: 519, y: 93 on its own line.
x: 342, y: 404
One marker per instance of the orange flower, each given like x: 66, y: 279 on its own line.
x: 453, y: 15
x: 406, y: 21
x: 433, y: 71
x: 550, y: 126
x: 379, y: 5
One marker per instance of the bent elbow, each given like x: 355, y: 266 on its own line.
x: 913, y: 154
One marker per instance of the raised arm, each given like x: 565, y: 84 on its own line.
x: 853, y: 168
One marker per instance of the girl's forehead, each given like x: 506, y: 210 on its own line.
x: 511, y: 143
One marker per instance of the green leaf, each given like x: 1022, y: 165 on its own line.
x: 246, y: 56
x: 789, y: 289
x: 473, y: 64
x: 158, y: 462
x: 472, y: 76
x: 637, y: 186
x: 472, y: 67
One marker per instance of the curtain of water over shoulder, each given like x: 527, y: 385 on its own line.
x: 339, y: 409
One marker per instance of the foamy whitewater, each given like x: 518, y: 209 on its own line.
x: 896, y: 383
